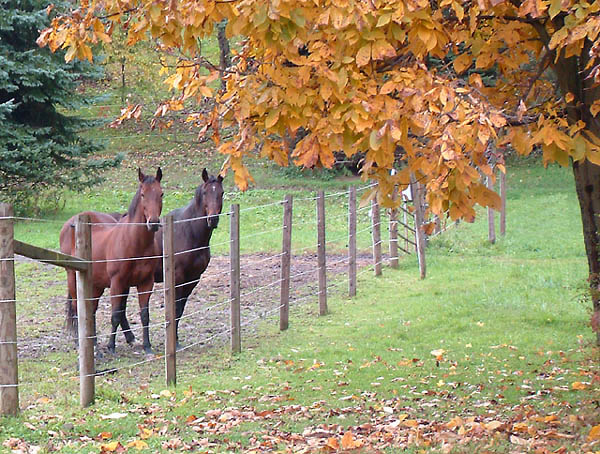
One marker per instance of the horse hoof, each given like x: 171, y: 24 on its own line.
x: 148, y: 350
x: 111, y: 349
x: 130, y: 338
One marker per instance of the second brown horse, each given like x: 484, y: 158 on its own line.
x: 124, y: 255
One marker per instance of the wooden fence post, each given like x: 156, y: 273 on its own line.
x: 437, y: 225
x: 321, y: 253
x: 234, y: 258
x: 9, y: 376
x: 286, y: 260
x: 394, y: 233
x: 405, y: 222
x: 503, y: 203
x: 490, y: 214
x: 170, y: 304
x: 419, y: 234
x: 376, y: 228
x: 352, y: 241
x: 85, y: 311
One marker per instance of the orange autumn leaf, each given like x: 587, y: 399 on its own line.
x: 594, y: 433
x: 349, y: 442
x: 332, y: 443
x: 137, y: 444
x: 410, y: 423
x: 579, y: 386
x: 113, y: 446
x: 438, y: 353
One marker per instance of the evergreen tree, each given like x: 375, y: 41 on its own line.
x: 40, y: 149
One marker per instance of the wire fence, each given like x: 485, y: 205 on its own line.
x: 208, y: 317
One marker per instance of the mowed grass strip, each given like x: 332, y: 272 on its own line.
x: 491, y: 352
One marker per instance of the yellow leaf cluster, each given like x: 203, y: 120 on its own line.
x: 360, y: 77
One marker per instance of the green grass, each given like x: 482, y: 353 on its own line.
x: 509, y: 322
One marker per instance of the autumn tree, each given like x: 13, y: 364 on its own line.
x: 357, y: 76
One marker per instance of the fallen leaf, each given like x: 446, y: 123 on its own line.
x: 520, y: 427
x: 579, y: 385
x: 145, y: 433
x: 455, y: 422
x: 332, y: 443
x: 105, y: 435
x: 439, y: 353
x: 348, y: 441
x: 137, y: 444
x: 114, y: 416
x: 493, y: 425
x: 594, y: 433
x: 518, y: 441
x: 110, y: 447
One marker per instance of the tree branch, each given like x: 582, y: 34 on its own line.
x: 544, y: 63
x: 108, y: 16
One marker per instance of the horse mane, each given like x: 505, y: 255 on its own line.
x: 198, y: 195
x: 136, y: 198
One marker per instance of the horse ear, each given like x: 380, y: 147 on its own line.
x: 158, y: 174
x: 220, y: 178
x: 141, y: 175
x: 205, y: 175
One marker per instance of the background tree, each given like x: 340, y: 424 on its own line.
x: 358, y: 76
x: 40, y: 149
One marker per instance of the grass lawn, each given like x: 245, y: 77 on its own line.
x: 491, y: 353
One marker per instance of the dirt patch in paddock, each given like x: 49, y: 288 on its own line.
x: 206, y: 316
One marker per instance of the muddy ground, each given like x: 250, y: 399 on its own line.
x: 206, y: 317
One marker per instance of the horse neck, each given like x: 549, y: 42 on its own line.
x: 201, y: 233
x: 138, y: 228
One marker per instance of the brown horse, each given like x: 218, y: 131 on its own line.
x: 118, y: 251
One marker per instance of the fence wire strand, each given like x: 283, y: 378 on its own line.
x: 262, y: 313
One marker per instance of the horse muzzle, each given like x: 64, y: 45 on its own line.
x: 153, y: 224
x: 213, y: 221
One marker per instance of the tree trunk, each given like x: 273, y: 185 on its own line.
x: 572, y: 78
x: 587, y: 184
x: 224, y: 51
x: 123, y: 81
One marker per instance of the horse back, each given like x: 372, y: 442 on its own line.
x: 67, y: 232
x: 101, y: 225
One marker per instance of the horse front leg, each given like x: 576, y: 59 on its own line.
x: 179, y: 306
x: 129, y: 337
x: 144, y: 291
x: 71, y: 325
x: 181, y: 297
x: 118, y: 302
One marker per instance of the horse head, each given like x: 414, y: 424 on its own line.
x: 210, y: 196
x: 151, y: 198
